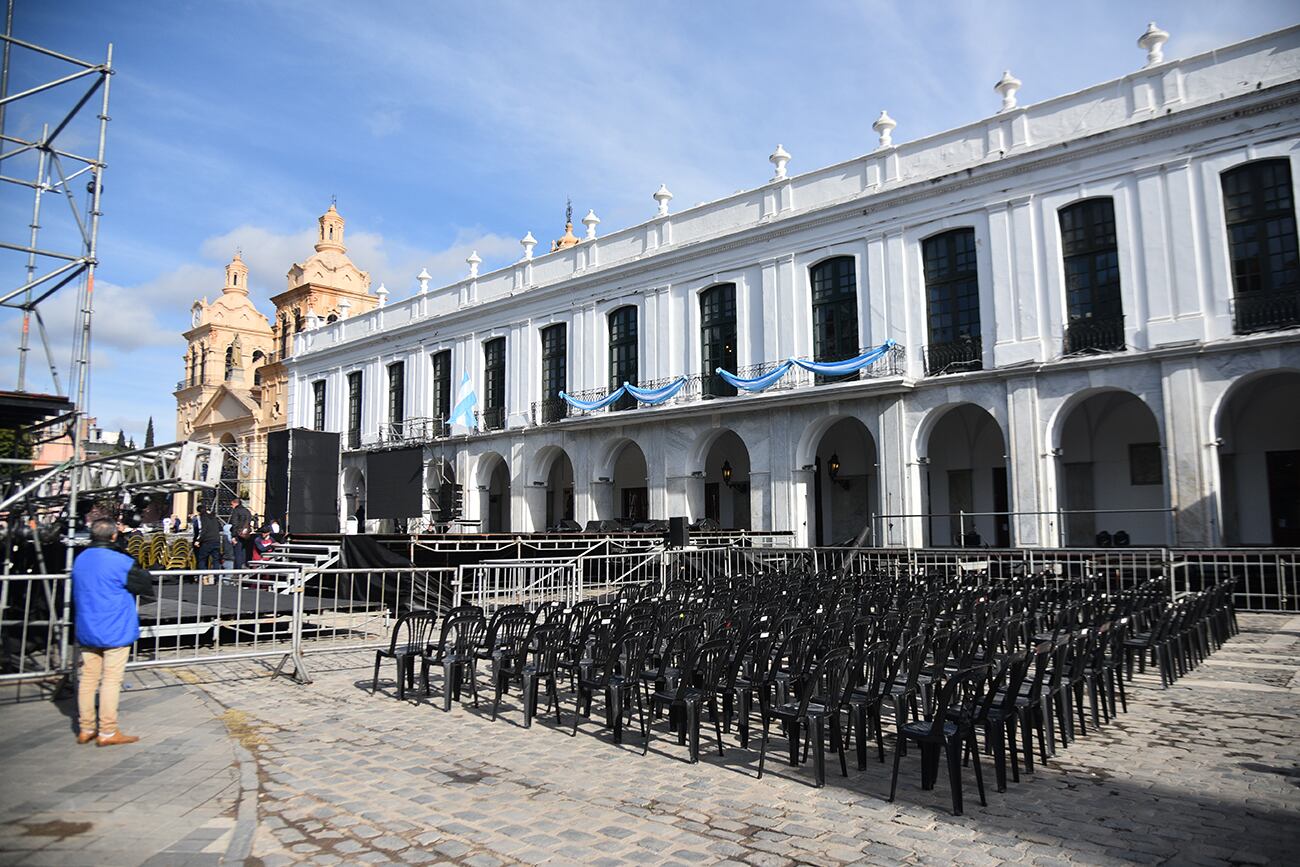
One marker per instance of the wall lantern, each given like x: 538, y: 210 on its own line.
x: 833, y: 471
x: 726, y: 473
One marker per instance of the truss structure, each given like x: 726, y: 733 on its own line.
x: 170, y: 469
x: 65, y: 91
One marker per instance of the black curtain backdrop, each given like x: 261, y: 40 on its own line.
x: 395, y: 484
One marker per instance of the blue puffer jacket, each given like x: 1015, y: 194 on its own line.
x: 103, y: 606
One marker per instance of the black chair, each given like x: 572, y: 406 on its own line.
x: 412, y: 639
x: 548, y: 643
x: 961, y: 690
x: 508, y: 651
x: 701, y: 680
x: 831, y: 678
x: 456, y: 652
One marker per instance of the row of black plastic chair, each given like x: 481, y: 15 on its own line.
x: 945, y: 656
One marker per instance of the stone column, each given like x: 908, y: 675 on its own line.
x: 1187, y: 455
x: 1026, y: 464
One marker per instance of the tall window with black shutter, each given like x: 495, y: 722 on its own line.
x: 1090, y: 253
x: 354, y: 410
x: 835, y: 312
x: 441, y: 389
x: 623, y: 353
x: 494, y: 383
x: 718, y: 337
x: 396, y: 398
x: 952, y: 292
x: 318, y: 405
x: 1259, y: 207
x: 555, y: 371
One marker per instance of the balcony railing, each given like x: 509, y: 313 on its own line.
x: 491, y: 418
x: 1265, y: 311
x: 892, y: 363
x: 1091, y: 334
x: 959, y: 356
x: 412, y: 430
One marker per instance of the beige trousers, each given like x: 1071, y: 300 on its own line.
x: 101, y: 671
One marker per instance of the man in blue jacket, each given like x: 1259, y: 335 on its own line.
x: 105, y: 583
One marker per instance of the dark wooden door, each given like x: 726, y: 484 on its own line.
x: 1284, y: 497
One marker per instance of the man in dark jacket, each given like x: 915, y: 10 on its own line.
x: 241, y: 529
x: 105, y: 583
x: 207, y: 538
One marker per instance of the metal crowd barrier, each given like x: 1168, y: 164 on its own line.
x: 34, y: 634
x: 200, y: 617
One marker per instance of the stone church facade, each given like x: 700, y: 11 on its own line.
x: 233, y: 391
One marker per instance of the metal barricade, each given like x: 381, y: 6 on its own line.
x: 34, y: 626
x: 518, y: 582
x: 356, y: 608
x: 1265, y: 579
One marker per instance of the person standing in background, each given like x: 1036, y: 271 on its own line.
x: 207, y: 539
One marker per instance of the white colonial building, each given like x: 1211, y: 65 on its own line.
x: 1095, y: 302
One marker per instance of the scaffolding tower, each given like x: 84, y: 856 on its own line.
x: 65, y: 90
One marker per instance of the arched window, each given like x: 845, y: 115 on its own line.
x: 297, y: 321
x: 193, y: 363
x: 835, y: 311
x: 203, y: 364
x: 1090, y: 256
x: 952, y: 294
x: 236, y: 280
x: 230, y: 361
x: 623, y: 353
x: 1259, y: 207
x: 718, y: 337
x: 284, y: 335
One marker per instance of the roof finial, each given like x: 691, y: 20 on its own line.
x: 568, y: 210
x: 334, y: 200
x: 1153, y: 41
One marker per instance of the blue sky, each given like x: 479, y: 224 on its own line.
x: 443, y: 128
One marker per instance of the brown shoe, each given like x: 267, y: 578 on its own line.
x: 86, y: 737
x: 114, y: 739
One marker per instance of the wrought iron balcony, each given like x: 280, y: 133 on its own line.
x: 959, y: 356
x: 1090, y: 334
x: 492, y: 418
x: 552, y: 409
x: 1265, y: 311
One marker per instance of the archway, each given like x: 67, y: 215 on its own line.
x: 1111, y: 471
x: 726, y: 482
x: 494, y: 493
x: 1259, y: 461
x: 550, y: 489
x: 440, y: 483
x: 631, y: 489
x: 845, y: 480
x: 965, y: 471
x: 354, y: 498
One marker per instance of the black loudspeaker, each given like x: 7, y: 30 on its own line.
x: 678, y: 535
x: 302, y: 480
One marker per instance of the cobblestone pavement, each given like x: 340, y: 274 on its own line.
x: 235, y: 768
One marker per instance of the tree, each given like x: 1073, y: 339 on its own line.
x: 121, y: 438
x: 148, y: 434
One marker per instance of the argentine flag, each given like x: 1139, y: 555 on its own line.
x: 462, y: 415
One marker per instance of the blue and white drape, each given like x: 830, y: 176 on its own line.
x: 655, y: 396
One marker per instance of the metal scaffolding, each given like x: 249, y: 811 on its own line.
x: 40, y: 164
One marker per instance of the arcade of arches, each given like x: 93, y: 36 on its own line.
x: 1102, y: 473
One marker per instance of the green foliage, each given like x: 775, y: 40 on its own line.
x: 148, y: 434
